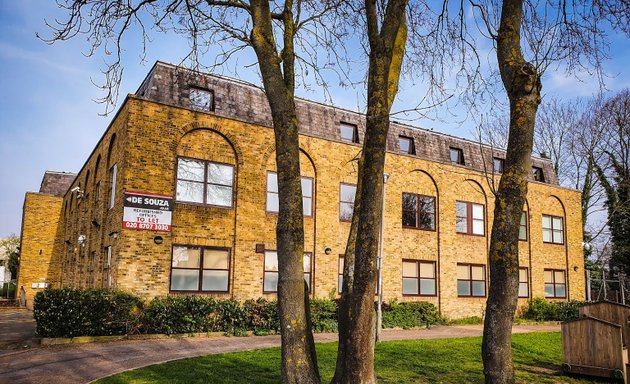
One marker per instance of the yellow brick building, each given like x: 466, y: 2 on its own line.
x: 178, y: 197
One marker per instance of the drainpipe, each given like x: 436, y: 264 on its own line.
x: 379, y: 265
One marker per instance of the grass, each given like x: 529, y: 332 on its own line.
x: 537, y: 358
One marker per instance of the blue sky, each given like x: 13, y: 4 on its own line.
x: 50, y: 121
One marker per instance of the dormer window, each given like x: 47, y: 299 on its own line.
x: 538, y: 174
x: 348, y: 133
x: 457, y: 156
x: 406, y: 145
x: 498, y: 164
x: 202, y: 99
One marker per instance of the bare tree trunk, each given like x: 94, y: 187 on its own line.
x: 523, y: 86
x: 299, y: 362
x: 355, y: 360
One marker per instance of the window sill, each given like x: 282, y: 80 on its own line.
x: 420, y: 229
x: 470, y: 234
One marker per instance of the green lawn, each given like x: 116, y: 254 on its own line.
x: 537, y: 358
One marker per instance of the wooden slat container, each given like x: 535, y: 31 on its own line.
x: 593, y: 347
x: 612, y: 312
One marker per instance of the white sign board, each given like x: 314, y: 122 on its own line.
x: 147, y: 212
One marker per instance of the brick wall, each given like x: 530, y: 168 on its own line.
x: 150, y: 135
x: 41, y: 245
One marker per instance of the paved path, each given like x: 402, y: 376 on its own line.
x: 82, y: 363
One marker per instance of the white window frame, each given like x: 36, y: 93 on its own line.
x: 272, y: 195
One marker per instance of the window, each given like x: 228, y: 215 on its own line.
x: 469, y: 218
x: 270, y: 274
x: 553, y: 229
x: 273, y: 203
x: 97, y: 191
x: 201, y: 99
x: 113, y: 172
x: 107, y: 266
x: 522, y: 231
x: 418, y: 211
x: 204, y: 182
x: 348, y: 133
x: 538, y: 174
x: 523, y: 282
x: 471, y: 280
x: 457, y: 156
x: 498, y: 164
x: 418, y: 278
x: 346, y: 201
x: 196, y: 269
x: 555, y: 284
x: 406, y: 145
x: 340, y: 275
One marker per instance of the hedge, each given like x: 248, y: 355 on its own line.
x: 97, y: 312
x: 539, y: 309
x: 70, y: 312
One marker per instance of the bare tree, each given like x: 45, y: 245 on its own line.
x: 387, y: 36
x: 287, y: 38
x: 528, y: 37
x: 546, y: 32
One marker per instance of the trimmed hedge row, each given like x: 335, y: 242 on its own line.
x: 95, y: 312
x: 70, y: 312
x: 539, y: 309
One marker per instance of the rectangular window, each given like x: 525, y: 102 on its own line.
x: 418, y: 278
x: 471, y: 280
x: 498, y: 164
x: 204, y: 182
x: 522, y: 231
x: 457, y: 155
x: 348, y: 132
x: 470, y: 218
x: 197, y: 269
x: 538, y: 174
x: 270, y: 274
x: 553, y: 229
x: 523, y: 282
x: 273, y: 203
x: 406, y: 145
x: 340, y: 274
x: 97, y: 191
x: 202, y: 99
x: 107, y: 266
x: 555, y: 283
x: 347, y: 193
x: 418, y: 211
x: 113, y: 172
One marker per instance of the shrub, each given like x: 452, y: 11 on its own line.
x: 539, y: 309
x: 263, y: 316
x: 410, y: 314
x: 181, y: 314
x: 192, y: 314
x: 324, y: 315
x: 71, y: 312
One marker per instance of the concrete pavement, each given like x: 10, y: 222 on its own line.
x: 82, y: 363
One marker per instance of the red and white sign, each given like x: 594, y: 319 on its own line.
x: 147, y: 212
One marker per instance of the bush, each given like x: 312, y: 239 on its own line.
x: 70, y: 312
x: 192, y: 314
x: 263, y: 316
x: 410, y: 315
x: 324, y: 315
x: 539, y: 309
x: 97, y: 312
